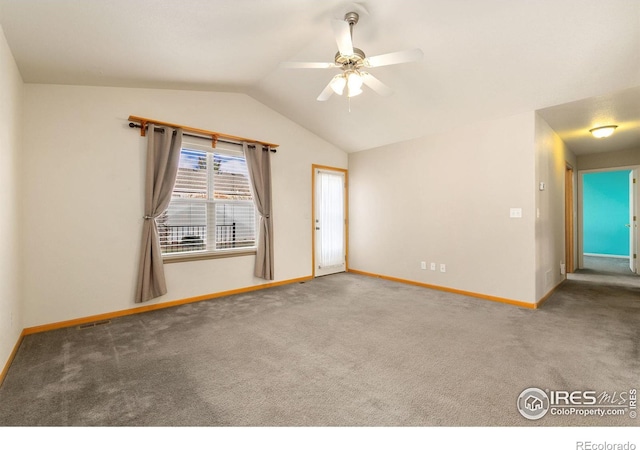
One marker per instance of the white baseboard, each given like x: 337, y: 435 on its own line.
x: 600, y: 255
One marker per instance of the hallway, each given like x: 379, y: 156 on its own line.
x: 603, y: 270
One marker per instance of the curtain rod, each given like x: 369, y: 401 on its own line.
x: 199, y: 136
x: 213, y: 135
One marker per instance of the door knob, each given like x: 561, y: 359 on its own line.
x: 628, y: 225
x: 317, y: 228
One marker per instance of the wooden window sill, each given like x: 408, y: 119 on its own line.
x: 202, y: 256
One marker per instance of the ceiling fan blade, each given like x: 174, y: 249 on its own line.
x: 387, y: 59
x: 326, y: 93
x: 376, y: 85
x: 342, y: 31
x: 308, y: 65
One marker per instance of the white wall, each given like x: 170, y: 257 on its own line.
x: 83, y: 200
x: 622, y: 158
x: 552, y: 157
x: 10, y: 105
x: 446, y: 198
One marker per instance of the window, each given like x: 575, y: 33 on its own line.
x: 211, y: 209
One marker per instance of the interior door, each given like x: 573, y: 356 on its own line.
x: 633, y: 223
x: 329, y: 221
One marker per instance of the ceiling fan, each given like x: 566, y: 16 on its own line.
x: 354, y: 63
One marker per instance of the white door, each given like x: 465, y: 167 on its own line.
x: 330, y: 225
x: 633, y: 223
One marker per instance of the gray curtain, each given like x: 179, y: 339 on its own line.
x: 163, y: 158
x: 259, y: 166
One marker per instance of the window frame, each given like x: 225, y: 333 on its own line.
x: 227, y: 149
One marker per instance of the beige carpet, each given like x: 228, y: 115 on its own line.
x: 342, y: 350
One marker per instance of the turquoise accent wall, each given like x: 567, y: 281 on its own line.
x: 605, y: 203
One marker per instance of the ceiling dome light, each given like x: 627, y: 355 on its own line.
x: 603, y: 132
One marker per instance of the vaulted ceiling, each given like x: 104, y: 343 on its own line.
x: 575, y: 60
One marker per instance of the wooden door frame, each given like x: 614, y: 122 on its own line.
x: 569, y: 235
x: 315, y: 167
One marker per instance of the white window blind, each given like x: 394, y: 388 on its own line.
x: 211, y: 209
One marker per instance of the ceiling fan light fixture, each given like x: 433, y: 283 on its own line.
x: 354, y: 92
x: 338, y: 83
x: 603, y: 132
x: 354, y: 80
x: 354, y: 83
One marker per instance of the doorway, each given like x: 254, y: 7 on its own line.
x: 329, y: 220
x: 607, y: 225
x: 633, y: 221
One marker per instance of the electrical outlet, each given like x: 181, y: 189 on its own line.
x: 515, y: 213
x: 443, y: 268
x: 423, y: 265
x: 433, y: 266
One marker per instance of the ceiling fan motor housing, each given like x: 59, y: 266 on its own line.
x: 351, y: 61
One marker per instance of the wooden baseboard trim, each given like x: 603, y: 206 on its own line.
x: 451, y: 290
x: 156, y: 306
x: 3, y: 374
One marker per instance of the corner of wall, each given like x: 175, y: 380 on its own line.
x: 551, y: 159
x: 11, y: 298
